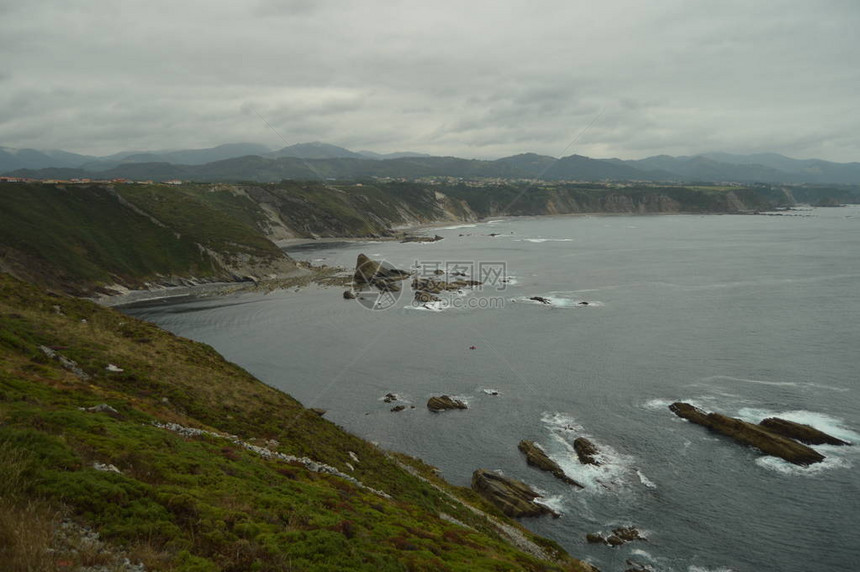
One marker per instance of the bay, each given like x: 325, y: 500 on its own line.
x: 751, y: 316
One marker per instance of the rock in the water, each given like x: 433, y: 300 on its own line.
x: 618, y: 537
x: 586, y: 451
x: 443, y: 402
x: 800, y: 432
x: 536, y: 457
x: 749, y: 434
x: 541, y: 299
x: 514, y: 498
x: 398, y: 408
x: 627, y: 533
x: 348, y: 295
x: 424, y: 297
x: 372, y: 273
x: 389, y: 397
x: 435, y: 238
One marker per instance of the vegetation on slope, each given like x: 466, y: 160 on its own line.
x: 204, y: 501
x: 82, y: 236
x: 77, y: 237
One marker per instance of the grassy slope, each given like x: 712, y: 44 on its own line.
x: 347, y: 209
x: 83, y: 235
x: 77, y: 237
x: 201, y: 503
x: 215, y: 218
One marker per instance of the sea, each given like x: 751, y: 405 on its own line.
x: 749, y: 316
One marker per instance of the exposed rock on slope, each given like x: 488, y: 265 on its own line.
x: 514, y: 498
x: 749, y: 434
x: 800, y: 432
x: 536, y: 457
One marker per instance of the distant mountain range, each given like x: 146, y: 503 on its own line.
x: 254, y: 162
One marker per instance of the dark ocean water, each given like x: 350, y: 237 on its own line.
x: 750, y: 316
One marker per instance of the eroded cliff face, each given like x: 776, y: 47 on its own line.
x: 80, y: 236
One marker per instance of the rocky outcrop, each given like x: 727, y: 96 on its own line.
x: 541, y: 299
x: 411, y: 238
x: 619, y: 536
x: 586, y: 451
x: 749, y: 434
x: 512, y: 497
x: 348, y: 295
x: 372, y: 273
x: 800, y: 432
x: 444, y: 402
x: 536, y: 457
x: 425, y: 297
x: 437, y: 286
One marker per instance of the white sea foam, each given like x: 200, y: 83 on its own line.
x: 645, y: 480
x: 615, y: 470
x: 456, y: 226
x: 805, y: 385
x: 557, y: 421
x: 830, y: 462
x: 540, y: 240
x: 561, y: 300
x: 642, y: 553
x: 662, y: 404
x: 426, y: 307
x: 821, y: 421
x: 714, y: 378
x: 554, y: 503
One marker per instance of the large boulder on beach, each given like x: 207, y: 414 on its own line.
x: 749, y: 434
x: 536, y: 457
x: 444, y: 402
x: 800, y: 432
x: 512, y: 497
x: 586, y: 451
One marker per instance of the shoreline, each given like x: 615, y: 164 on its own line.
x: 321, y: 275
x: 325, y: 275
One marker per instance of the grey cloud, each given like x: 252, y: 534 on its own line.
x: 475, y: 79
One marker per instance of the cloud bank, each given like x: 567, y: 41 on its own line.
x: 479, y: 79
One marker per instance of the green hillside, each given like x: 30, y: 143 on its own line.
x: 78, y: 237
x: 236, y: 483
x: 82, y: 237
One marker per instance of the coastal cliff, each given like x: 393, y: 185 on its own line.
x: 90, y: 238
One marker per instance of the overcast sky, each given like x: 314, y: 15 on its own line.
x: 615, y: 78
